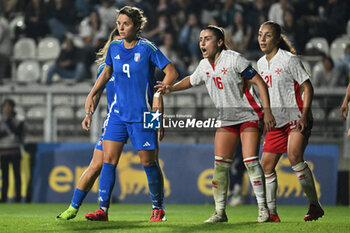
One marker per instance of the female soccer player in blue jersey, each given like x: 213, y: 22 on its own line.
x: 89, y: 176
x: 131, y: 61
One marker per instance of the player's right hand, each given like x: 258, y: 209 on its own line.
x: 269, y: 120
x: 343, y: 111
x: 86, y: 123
x: 163, y: 88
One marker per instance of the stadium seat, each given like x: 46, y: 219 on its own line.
x: 334, y: 114
x: 36, y: 113
x: 44, y: 69
x: 28, y: 72
x: 80, y: 113
x: 63, y: 100
x: 63, y: 112
x: 338, y: 48
x: 15, y: 23
x: 318, y: 114
x: 29, y: 100
x: 318, y: 43
x: 25, y: 48
x: 48, y: 49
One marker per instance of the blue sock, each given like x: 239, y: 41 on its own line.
x: 155, y: 184
x: 107, y: 179
x: 78, y: 198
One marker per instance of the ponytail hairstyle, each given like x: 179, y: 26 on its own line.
x: 136, y: 15
x: 283, y: 43
x: 219, y: 33
x: 101, y: 54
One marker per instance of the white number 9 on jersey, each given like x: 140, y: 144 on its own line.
x: 126, y: 69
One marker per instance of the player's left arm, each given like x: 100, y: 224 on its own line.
x: 308, y: 96
x: 300, y: 75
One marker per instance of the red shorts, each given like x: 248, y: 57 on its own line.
x: 276, y: 141
x: 238, y: 129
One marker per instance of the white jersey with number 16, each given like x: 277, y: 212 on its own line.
x: 228, y: 87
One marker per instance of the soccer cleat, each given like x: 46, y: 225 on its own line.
x: 157, y: 215
x: 263, y: 215
x: 218, y: 217
x: 68, y: 214
x: 315, y: 212
x: 98, y: 215
x: 274, y: 218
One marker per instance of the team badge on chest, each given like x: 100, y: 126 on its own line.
x: 137, y: 57
x: 224, y: 70
x: 278, y: 71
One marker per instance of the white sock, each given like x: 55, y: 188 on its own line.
x: 105, y: 209
x: 306, y: 180
x: 220, y: 182
x: 257, y: 179
x: 271, y: 191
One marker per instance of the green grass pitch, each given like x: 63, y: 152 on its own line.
x: 181, y: 218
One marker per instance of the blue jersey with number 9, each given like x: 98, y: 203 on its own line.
x: 133, y: 71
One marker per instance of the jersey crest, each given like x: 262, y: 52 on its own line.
x: 137, y: 57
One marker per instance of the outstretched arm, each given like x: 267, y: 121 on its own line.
x: 181, y: 85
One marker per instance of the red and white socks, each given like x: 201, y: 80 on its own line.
x: 271, y: 192
x: 257, y: 179
x: 306, y: 181
x: 220, y: 182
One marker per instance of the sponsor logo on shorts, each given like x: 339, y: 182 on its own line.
x: 146, y: 144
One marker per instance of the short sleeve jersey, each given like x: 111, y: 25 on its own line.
x: 110, y: 89
x: 228, y: 87
x: 284, y: 74
x: 133, y: 71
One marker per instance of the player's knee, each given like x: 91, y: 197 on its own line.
x: 95, y: 168
x: 146, y: 162
x: 267, y: 167
x: 295, y: 158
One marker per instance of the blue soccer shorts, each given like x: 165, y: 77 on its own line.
x: 119, y: 131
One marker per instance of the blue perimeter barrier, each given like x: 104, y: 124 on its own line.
x: 188, y: 171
